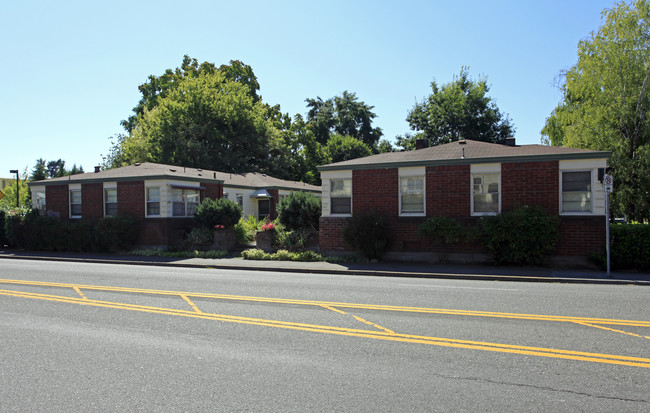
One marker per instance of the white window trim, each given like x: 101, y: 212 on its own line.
x: 333, y: 214
x: 146, y: 201
x: 171, y: 198
x: 416, y: 172
x: 591, y: 193
x: 70, y: 191
x: 485, y: 169
x: 104, y: 204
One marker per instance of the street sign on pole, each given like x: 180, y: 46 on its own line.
x: 609, y: 187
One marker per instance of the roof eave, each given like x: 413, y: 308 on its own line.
x: 466, y: 161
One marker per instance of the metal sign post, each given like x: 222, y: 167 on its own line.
x: 609, y: 187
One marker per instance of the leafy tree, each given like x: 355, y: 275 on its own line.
x: 300, y: 210
x: 56, y: 169
x: 343, y: 115
x: 8, y: 201
x: 75, y: 170
x: 342, y: 148
x: 385, y: 146
x: 460, y: 109
x: 606, y: 101
x: 206, y: 121
x: 40, y: 171
x: 158, y: 87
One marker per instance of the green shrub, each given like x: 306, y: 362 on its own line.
x: 217, y: 212
x: 368, y: 234
x: 308, y: 256
x: 443, y: 231
x: 630, y: 246
x: 296, y: 240
x: 115, y: 234
x: 3, y: 238
x: 245, y: 229
x: 300, y: 211
x: 522, y: 236
x: 255, y: 254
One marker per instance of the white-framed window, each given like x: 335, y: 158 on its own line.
x: 153, y: 201
x: 486, y: 193
x: 38, y: 201
x: 240, y: 200
x: 263, y: 208
x: 75, y: 203
x: 341, y: 196
x: 184, y: 202
x: 411, y: 200
x: 225, y: 195
x: 576, y: 191
x: 110, y: 202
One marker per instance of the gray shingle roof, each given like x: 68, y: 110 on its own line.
x: 149, y: 170
x: 463, y: 152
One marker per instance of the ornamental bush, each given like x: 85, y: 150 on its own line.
x: 630, y: 246
x: 300, y: 210
x: 217, y: 212
x: 113, y: 234
x: 443, y: 231
x: 368, y: 234
x: 522, y: 236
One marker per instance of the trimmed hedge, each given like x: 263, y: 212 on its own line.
x: 630, y: 246
x: 217, y: 212
x: 368, y: 234
x: 42, y: 233
x: 522, y: 236
x: 300, y: 211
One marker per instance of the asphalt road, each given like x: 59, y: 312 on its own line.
x: 99, y: 337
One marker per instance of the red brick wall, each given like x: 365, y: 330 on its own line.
x: 275, y: 199
x: 131, y: 198
x: 92, y: 201
x: 530, y: 183
x: 448, y: 190
x: 581, y: 235
x: 57, y: 201
x: 448, y: 193
x: 375, y: 190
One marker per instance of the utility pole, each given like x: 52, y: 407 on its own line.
x: 15, y: 171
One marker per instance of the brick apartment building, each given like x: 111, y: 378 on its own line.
x: 466, y: 180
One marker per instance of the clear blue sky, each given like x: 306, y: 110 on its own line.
x: 70, y: 69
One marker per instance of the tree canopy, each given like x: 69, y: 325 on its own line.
x: 343, y: 115
x: 458, y: 110
x: 605, y: 104
x: 204, y: 121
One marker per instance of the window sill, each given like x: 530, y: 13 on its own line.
x: 412, y: 214
x: 485, y: 214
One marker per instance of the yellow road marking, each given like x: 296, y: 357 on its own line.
x: 80, y: 293
x: 407, y: 338
x: 568, y: 319
x: 359, y: 319
x: 614, y: 330
x: 194, y: 307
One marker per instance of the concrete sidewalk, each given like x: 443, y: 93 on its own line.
x: 381, y: 269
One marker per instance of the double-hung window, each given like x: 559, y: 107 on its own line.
x: 240, y: 200
x: 110, y: 202
x: 263, y: 208
x: 412, y: 195
x: 341, y: 196
x: 576, y: 191
x: 153, y: 201
x: 75, y: 203
x: 184, y: 202
x: 485, y: 193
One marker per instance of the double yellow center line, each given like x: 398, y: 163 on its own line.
x: 382, y: 334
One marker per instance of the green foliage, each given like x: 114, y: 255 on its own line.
x: 460, y: 109
x: 282, y: 255
x: 300, y: 211
x: 42, y: 233
x: 606, y: 104
x: 296, y: 240
x: 522, y: 236
x: 40, y: 171
x: 443, y: 231
x: 115, y: 234
x: 179, y: 254
x: 3, y: 231
x: 8, y: 202
x: 217, y: 212
x: 245, y: 229
x: 368, y: 234
x: 630, y: 246
x: 343, y: 115
x: 199, y: 237
x: 342, y: 148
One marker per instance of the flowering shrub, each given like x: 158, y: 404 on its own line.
x: 268, y: 227
x: 218, y: 227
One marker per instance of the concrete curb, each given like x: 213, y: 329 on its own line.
x: 357, y: 272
